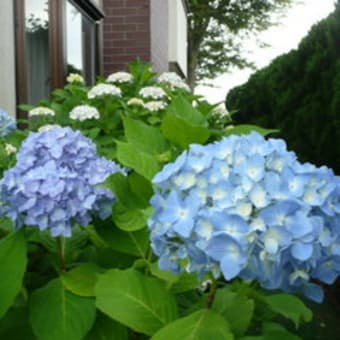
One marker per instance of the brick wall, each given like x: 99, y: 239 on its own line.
x: 126, y: 33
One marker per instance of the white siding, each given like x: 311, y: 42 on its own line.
x: 7, y: 57
x: 178, y: 34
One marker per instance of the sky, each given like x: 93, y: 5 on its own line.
x: 282, y: 38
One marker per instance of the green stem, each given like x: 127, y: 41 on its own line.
x: 61, y: 248
x: 212, y: 293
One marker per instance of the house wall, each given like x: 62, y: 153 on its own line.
x: 126, y: 33
x: 7, y: 57
x: 178, y: 27
x: 159, y: 35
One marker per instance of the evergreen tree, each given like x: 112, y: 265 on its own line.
x: 299, y: 93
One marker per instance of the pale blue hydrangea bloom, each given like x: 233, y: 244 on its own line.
x: 7, y: 123
x: 245, y: 207
x: 56, y: 182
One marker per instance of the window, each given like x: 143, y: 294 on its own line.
x: 54, y: 38
x: 37, y: 50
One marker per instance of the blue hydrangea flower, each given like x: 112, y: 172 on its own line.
x: 7, y: 123
x: 245, y: 207
x: 56, y: 182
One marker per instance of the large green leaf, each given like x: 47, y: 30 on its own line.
x: 290, y: 307
x: 235, y: 308
x: 274, y: 331
x: 107, y: 329
x: 119, y: 184
x: 144, y: 137
x: 246, y: 129
x: 81, y: 280
x: 201, y: 325
x: 139, y: 302
x: 130, y: 219
x: 133, y: 243
x: 14, y: 324
x: 143, y: 163
x: 57, y: 314
x: 12, y: 268
x: 182, y: 108
x: 183, y: 133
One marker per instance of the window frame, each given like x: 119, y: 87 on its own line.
x: 57, y: 44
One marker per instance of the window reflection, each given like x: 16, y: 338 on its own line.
x: 74, y: 38
x: 38, y: 70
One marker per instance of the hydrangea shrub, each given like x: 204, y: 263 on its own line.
x: 211, y: 213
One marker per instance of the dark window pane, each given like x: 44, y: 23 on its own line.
x: 38, y: 70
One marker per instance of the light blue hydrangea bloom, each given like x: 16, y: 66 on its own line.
x: 7, y: 123
x: 245, y: 207
x: 56, y: 182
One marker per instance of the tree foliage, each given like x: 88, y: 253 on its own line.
x: 216, y: 29
x: 299, y: 93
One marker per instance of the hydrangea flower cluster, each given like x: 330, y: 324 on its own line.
x: 56, y: 182
x: 135, y: 102
x: 47, y: 127
x: 245, y: 207
x: 153, y: 92
x: 7, y: 123
x: 75, y: 78
x: 10, y: 149
x: 120, y: 77
x: 173, y: 80
x: 155, y: 105
x: 104, y: 90
x: 41, y: 111
x: 84, y: 112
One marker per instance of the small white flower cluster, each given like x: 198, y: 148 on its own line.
x: 48, y: 127
x: 104, y: 89
x: 9, y: 148
x: 75, y: 78
x: 135, y: 102
x: 120, y: 77
x: 83, y: 112
x: 173, y: 80
x: 155, y: 105
x: 153, y: 92
x: 41, y: 111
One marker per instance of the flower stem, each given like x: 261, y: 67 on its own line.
x: 61, y: 248
x: 212, y: 293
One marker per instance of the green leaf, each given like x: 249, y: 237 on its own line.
x: 25, y: 107
x: 143, y: 163
x: 201, y: 325
x: 57, y: 314
x: 132, y: 243
x: 118, y: 183
x: 185, y: 282
x: 81, y: 280
x: 141, y: 187
x: 129, y: 219
x: 164, y: 275
x: 290, y: 307
x: 144, y: 137
x: 107, y: 329
x: 183, y: 109
x: 137, y: 301
x: 246, y: 129
x: 274, y: 331
x: 183, y: 133
x: 12, y: 268
x: 237, y: 310
x: 14, y: 324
